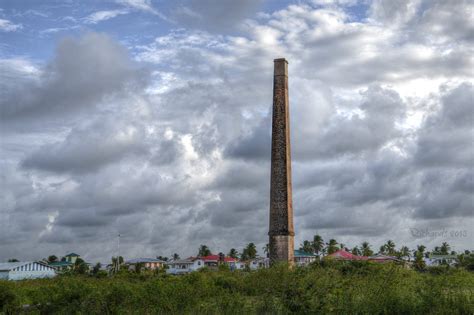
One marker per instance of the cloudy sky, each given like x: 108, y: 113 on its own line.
x: 151, y: 118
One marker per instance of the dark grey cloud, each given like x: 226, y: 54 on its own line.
x: 446, y: 137
x: 381, y: 135
x: 83, y: 72
x: 89, y: 148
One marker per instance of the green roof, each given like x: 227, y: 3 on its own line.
x: 60, y: 263
x: 300, y: 253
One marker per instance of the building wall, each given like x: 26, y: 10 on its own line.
x: 20, y: 275
x: 3, y: 275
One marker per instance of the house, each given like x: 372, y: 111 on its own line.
x: 146, y: 263
x: 303, y: 258
x: 61, y: 265
x: 438, y: 260
x: 258, y: 263
x: 71, y: 258
x: 66, y: 263
x: 182, y: 266
x: 344, y: 255
x: 212, y: 261
x: 25, y: 270
x: 379, y: 258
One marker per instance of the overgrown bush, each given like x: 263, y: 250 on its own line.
x: 322, y: 288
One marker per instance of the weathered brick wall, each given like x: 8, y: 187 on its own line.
x: 281, y: 208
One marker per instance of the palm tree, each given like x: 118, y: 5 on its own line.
x: 249, y: 252
x: 175, y: 256
x: 390, y: 246
x: 318, y: 244
x: 421, y: 249
x: 356, y: 251
x: 404, y: 252
x: 383, y: 249
x: 366, y: 251
x: 419, y: 262
x: 307, y: 247
x: 332, y: 246
x: 204, y: 251
x: 233, y: 253
x: 445, y: 248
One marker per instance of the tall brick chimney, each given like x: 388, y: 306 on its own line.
x: 281, y: 230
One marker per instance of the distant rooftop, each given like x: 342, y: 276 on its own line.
x: 12, y: 265
x: 302, y: 253
x: 144, y: 260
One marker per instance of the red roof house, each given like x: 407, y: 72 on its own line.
x: 344, y: 255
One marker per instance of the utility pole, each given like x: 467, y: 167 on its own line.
x: 118, y: 252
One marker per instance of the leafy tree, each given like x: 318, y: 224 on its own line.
x: 466, y: 260
x: 331, y: 246
x: 204, y: 251
x: 366, y: 250
x: 13, y: 260
x: 318, y: 244
x: 233, y: 253
x: 96, y: 268
x: 221, y: 257
x: 383, y: 249
x: 307, y: 247
x: 139, y: 267
x: 80, y: 266
x: 52, y: 258
x: 176, y: 256
x: 163, y: 258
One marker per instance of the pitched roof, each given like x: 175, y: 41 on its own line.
x: 12, y: 265
x: 144, y: 260
x: 342, y: 254
x: 60, y: 263
x: 72, y: 254
x: 302, y: 253
x: 216, y: 258
x: 382, y: 257
x: 182, y: 261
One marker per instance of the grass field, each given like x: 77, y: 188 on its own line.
x: 331, y: 289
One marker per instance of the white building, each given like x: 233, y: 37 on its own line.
x: 25, y: 270
x: 147, y: 263
x: 438, y: 260
x: 259, y: 263
x: 182, y: 266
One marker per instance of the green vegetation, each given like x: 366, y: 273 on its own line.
x: 323, y: 288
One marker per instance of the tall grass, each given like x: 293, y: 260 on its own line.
x: 330, y: 289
